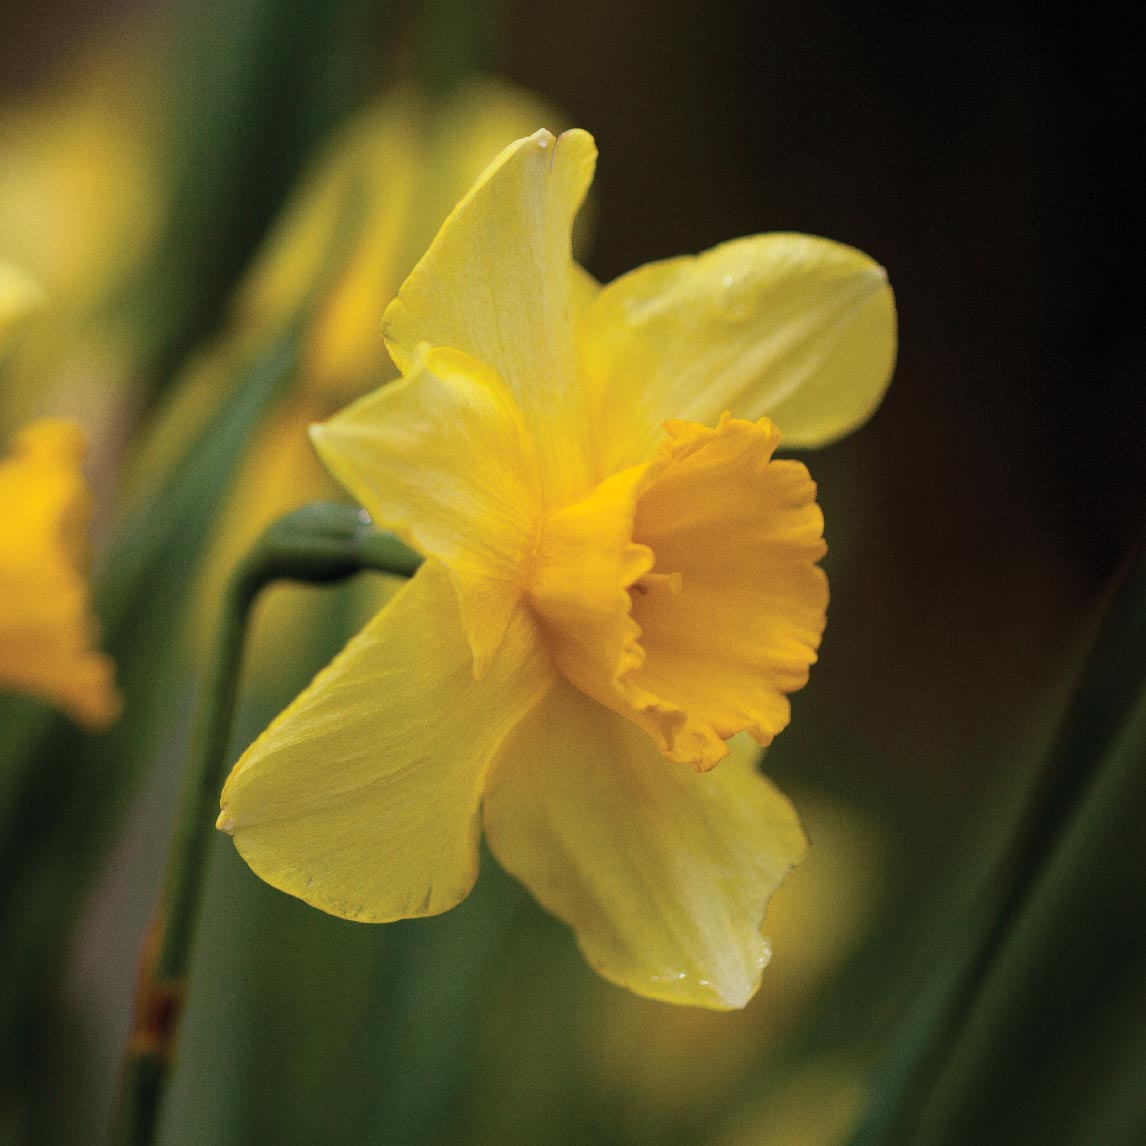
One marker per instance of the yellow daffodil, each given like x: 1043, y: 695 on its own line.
x: 47, y: 632
x: 619, y: 577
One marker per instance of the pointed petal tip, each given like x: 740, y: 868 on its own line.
x: 732, y: 992
x: 578, y: 135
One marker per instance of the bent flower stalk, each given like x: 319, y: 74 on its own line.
x: 619, y: 578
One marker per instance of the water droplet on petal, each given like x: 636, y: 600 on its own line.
x: 766, y: 954
x: 733, y: 301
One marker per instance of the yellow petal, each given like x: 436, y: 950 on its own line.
x: 19, y: 295
x: 442, y: 458
x: 663, y: 873
x: 471, y: 124
x: 790, y: 326
x: 585, y: 562
x: 362, y: 797
x: 47, y: 632
x: 496, y: 283
x: 585, y: 290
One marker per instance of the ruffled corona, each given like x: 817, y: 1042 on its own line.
x: 646, y: 613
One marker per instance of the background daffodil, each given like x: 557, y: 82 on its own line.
x: 619, y: 578
x: 377, y: 194
x: 83, y: 197
x: 47, y: 632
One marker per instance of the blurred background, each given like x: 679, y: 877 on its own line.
x: 203, y: 186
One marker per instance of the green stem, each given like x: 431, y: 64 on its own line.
x: 318, y: 544
x: 1111, y: 683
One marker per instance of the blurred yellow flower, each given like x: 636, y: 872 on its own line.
x: 47, y: 632
x: 83, y: 196
x: 619, y: 578
x: 20, y: 294
x: 389, y: 178
x: 78, y: 187
x: 378, y: 192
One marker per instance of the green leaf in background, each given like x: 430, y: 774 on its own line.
x: 1086, y: 774
x: 1055, y: 1050
x: 255, y: 87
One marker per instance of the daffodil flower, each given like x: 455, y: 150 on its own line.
x: 46, y: 629
x: 619, y: 578
x: 47, y: 632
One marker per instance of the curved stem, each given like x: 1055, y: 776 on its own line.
x: 318, y: 544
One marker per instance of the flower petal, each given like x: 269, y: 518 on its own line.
x: 585, y: 290
x: 496, y: 283
x: 585, y: 571
x: 790, y: 326
x: 362, y: 797
x: 47, y: 630
x: 663, y: 873
x: 684, y: 593
x: 442, y: 458
x: 358, y: 201
x: 583, y: 567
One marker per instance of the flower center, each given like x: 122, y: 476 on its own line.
x: 709, y: 642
